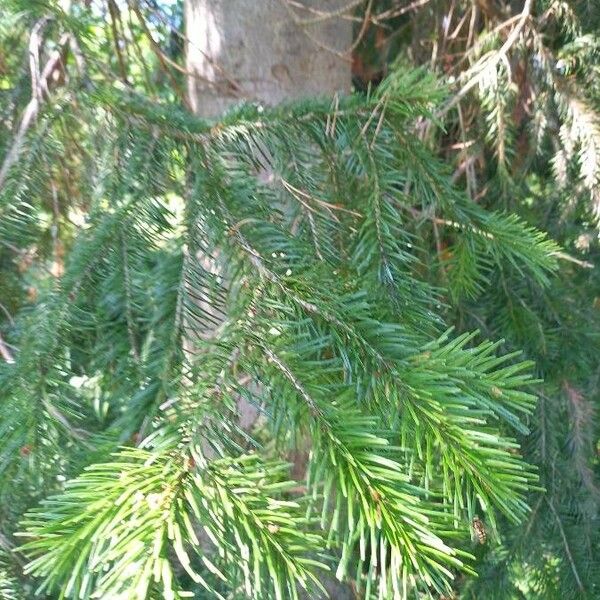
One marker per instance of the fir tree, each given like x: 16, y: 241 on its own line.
x: 357, y: 289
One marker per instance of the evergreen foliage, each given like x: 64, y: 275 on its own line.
x: 317, y: 262
x: 521, y: 131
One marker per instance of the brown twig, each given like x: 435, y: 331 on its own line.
x: 363, y: 28
x: 160, y: 55
x: 113, y: 9
x: 177, y: 66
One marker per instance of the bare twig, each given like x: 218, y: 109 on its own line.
x: 569, y: 258
x: 160, y: 55
x: 7, y: 314
x: 113, y: 9
x: 392, y: 13
x: 35, y: 41
x: 472, y: 48
x: 320, y: 14
x: 363, y: 28
x: 234, y: 87
x: 32, y: 108
x: 302, y: 23
x: 5, y: 352
x: 472, y: 23
x: 177, y: 66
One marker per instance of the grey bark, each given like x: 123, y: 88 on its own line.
x: 264, y: 50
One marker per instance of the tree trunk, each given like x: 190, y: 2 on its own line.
x: 265, y: 51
